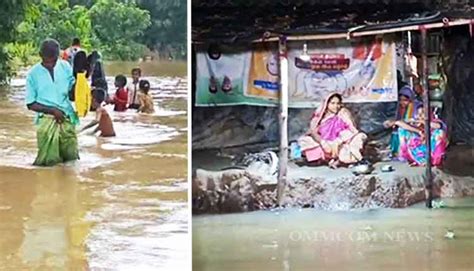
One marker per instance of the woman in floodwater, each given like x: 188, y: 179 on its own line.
x: 333, y: 136
x: 412, y: 139
x: 96, y: 70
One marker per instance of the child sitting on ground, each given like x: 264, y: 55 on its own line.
x: 145, y: 99
x: 102, y: 118
x: 121, y: 95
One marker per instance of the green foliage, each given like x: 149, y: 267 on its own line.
x: 11, y: 13
x: 23, y: 54
x: 55, y: 19
x: 119, y: 29
x: 5, y: 69
x: 168, y: 30
x: 124, y: 51
x: 111, y: 27
x: 119, y: 26
x: 86, y: 3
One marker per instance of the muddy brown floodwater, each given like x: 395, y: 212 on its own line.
x: 409, y: 239
x: 414, y: 239
x: 122, y: 206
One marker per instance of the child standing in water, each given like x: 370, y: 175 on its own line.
x: 133, y: 89
x: 121, y: 94
x: 145, y: 99
x: 102, y: 118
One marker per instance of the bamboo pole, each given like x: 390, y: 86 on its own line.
x: 283, y: 119
x: 409, y: 52
x: 363, y: 33
x: 426, y: 105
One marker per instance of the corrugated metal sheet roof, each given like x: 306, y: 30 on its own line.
x: 250, y: 3
x: 226, y: 21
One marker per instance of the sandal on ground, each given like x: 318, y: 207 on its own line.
x: 334, y: 163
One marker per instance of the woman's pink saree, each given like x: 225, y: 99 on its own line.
x: 339, y: 138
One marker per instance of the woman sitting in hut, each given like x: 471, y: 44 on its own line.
x: 412, y: 138
x: 405, y: 112
x: 332, y: 136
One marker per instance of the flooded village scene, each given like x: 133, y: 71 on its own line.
x: 122, y: 204
x: 312, y: 122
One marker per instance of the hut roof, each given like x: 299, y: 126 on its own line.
x: 230, y: 21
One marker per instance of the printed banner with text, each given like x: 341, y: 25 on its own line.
x: 263, y: 79
x: 362, y: 70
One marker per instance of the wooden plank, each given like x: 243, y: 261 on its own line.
x: 351, y: 34
x: 426, y: 105
x: 283, y: 120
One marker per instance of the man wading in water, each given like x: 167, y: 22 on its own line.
x: 47, y: 86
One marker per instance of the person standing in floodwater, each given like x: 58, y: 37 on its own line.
x: 96, y: 70
x: 133, y: 89
x: 69, y: 54
x: 82, y: 91
x: 121, y: 95
x: 145, y: 99
x: 47, y: 93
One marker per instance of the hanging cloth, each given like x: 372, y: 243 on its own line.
x: 411, y: 65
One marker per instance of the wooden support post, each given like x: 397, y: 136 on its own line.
x: 409, y: 51
x: 426, y: 105
x: 283, y: 119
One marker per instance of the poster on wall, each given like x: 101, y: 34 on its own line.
x: 222, y: 76
x: 263, y: 80
x: 361, y: 70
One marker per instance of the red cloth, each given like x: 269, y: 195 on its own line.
x: 121, y: 99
